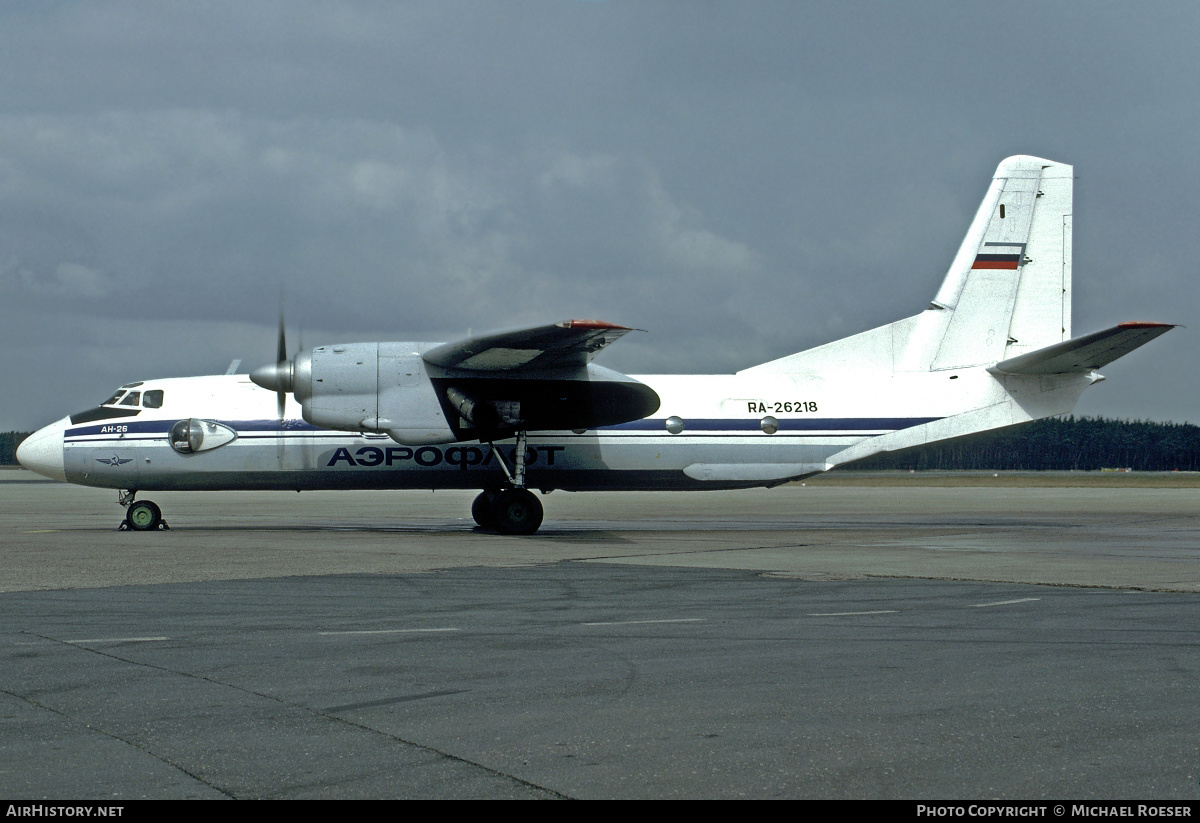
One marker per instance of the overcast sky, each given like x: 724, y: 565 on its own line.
x: 741, y: 179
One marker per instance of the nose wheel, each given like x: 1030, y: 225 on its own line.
x: 142, y: 516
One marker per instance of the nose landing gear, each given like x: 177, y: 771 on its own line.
x: 142, y: 516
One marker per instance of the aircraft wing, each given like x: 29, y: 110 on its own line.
x: 537, y: 379
x: 1084, y: 354
x: 572, y: 343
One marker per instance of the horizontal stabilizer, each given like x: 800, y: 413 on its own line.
x: 1084, y: 354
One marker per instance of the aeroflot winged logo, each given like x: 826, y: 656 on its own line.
x: 114, y: 460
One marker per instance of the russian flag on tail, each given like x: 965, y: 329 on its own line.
x: 996, y: 261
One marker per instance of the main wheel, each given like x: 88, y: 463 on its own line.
x: 517, y: 511
x: 143, y: 516
x: 481, y: 510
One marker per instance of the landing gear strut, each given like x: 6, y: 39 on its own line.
x: 142, y: 516
x: 511, y: 510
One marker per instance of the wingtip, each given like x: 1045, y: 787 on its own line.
x: 1137, y: 324
x: 592, y: 324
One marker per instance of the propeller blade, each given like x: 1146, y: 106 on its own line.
x: 280, y: 359
x: 281, y: 347
x: 279, y: 376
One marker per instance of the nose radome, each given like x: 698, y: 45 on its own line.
x: 42, y: 451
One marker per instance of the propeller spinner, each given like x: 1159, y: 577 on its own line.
x: 279, y: 377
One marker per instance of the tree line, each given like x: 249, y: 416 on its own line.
x: 8, y: 447
x: 1054, y: 444
x: 1059, y: 444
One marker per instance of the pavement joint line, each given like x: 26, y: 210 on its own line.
x: 118, y: 640
x: 641, y: 622
x: 1005, y: 602
x: 686, y: 552
x: 390, y: 631
x: 850, y: 614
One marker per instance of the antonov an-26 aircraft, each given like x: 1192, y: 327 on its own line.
x: 527, y: 409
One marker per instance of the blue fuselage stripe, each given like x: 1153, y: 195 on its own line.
x: 709, y: 427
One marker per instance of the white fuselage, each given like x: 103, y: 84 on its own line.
x: 712, y: 431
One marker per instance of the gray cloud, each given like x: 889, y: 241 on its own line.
x: 741, y: 181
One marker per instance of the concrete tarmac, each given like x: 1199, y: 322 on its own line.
x: 987, y: 638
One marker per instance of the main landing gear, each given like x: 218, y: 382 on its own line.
x: 142, y: 516
x: 508, y: 511
x: 512, y: 509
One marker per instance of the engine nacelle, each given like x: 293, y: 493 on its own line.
x: 380, y: 387
x: 389, y: 387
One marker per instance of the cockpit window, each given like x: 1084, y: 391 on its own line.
x: 112, y: 401
x: 132, y: 399
x: 153, y: 399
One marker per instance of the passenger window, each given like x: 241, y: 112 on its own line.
x: 132, y: 399
x: 153, y: 399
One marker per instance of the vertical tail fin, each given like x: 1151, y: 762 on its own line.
x: 1008, y: 290
x: 1007, y: 293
